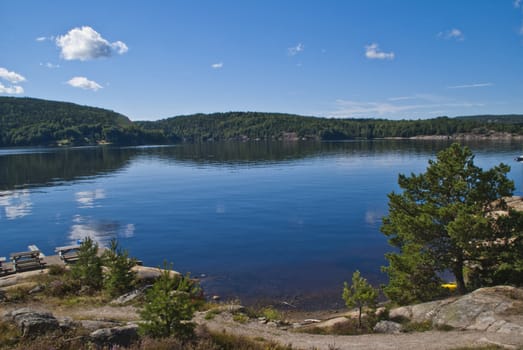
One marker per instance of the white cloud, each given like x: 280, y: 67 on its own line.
x: 292, y: 51
x: 217, y: 65
x: 453, y: 33
x: 84, y: 83
x: 395, y: 106
x: 44, y: 38
x: 13, y: 90
x: 517, y: 3
x: 468, y: 86
x: 85, y: 44
x: 50, y: 65
x: 11, y: 77
x: 373, y: 52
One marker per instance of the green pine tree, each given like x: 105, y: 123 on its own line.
x: 88, y: 268
x: 360, y: 294
x: 170, y: 305
x: 442, y: 222
x: 119, y: 278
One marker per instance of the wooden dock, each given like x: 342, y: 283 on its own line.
x: 34, y: 259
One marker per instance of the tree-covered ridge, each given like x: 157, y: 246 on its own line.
x: 277, y: 126
x: 36, y: 122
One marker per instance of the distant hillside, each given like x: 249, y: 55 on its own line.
x: 35, y: 122
x: 275, y: 126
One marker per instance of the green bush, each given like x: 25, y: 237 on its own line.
x: 170, y: 305
x: 88, y: 269
x: 119, y: 278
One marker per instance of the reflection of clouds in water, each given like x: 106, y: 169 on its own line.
x: 100, y: 231
x: 373, y: 218
x: 220, y: 208
x: 86, y: 199
x: 17, y: 204
x: 128, y: 231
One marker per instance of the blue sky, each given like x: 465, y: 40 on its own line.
x: 373, y: 58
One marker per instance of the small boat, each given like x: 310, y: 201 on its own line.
x: 519, y: 159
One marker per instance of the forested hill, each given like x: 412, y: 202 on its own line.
x: 254, y: 125
x: 35, y: 122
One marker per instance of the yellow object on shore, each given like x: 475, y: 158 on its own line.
x: 451, y: 286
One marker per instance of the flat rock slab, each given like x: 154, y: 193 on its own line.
x: 493, y: 309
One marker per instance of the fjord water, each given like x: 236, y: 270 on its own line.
x: 276, y: 221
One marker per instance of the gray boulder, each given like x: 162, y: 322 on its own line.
x: 122, y: 336
x: 132, y: 295
x: 493, y: 309
x: 387, y: 327
x: 33, y: 323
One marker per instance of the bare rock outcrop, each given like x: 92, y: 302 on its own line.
x: 494, y: 309
x: 123, y: 336
x: 33, y: 323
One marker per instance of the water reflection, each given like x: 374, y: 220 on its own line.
x: 87, y: 199
x: 17, y: 204
x: 100, y: 231
x: 54, y: 166
x: 23, y: 170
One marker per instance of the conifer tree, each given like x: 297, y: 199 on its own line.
x: 442, y: 222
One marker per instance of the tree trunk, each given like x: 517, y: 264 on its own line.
x: 359, y: 317
x: 458, y: 273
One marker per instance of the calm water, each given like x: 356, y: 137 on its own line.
x: 283, y: 222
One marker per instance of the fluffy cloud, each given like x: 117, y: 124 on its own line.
x: 453, y: 33
x: 84, y: 83
x: 13, y: 90
x: 13, y: 78
x: 292, y: 51
x: 85, y: 44
x: 373, y: 52
x: 217, y: 65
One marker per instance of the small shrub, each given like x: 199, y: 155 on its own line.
x: 88, y: 268
x: 209, y: 315
x: 170, y: 305
x: 9, y: 334
x: 18, y: 295
x: 360, y: 294
x: 119, y: 278
x: 62, y: 287
x: 240, y: 318
x: 271, y: 314
x: 418, y: 326
x: 56, y: 270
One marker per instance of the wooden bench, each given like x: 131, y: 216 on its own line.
x: 68, y: 253
x: 26, y: 260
